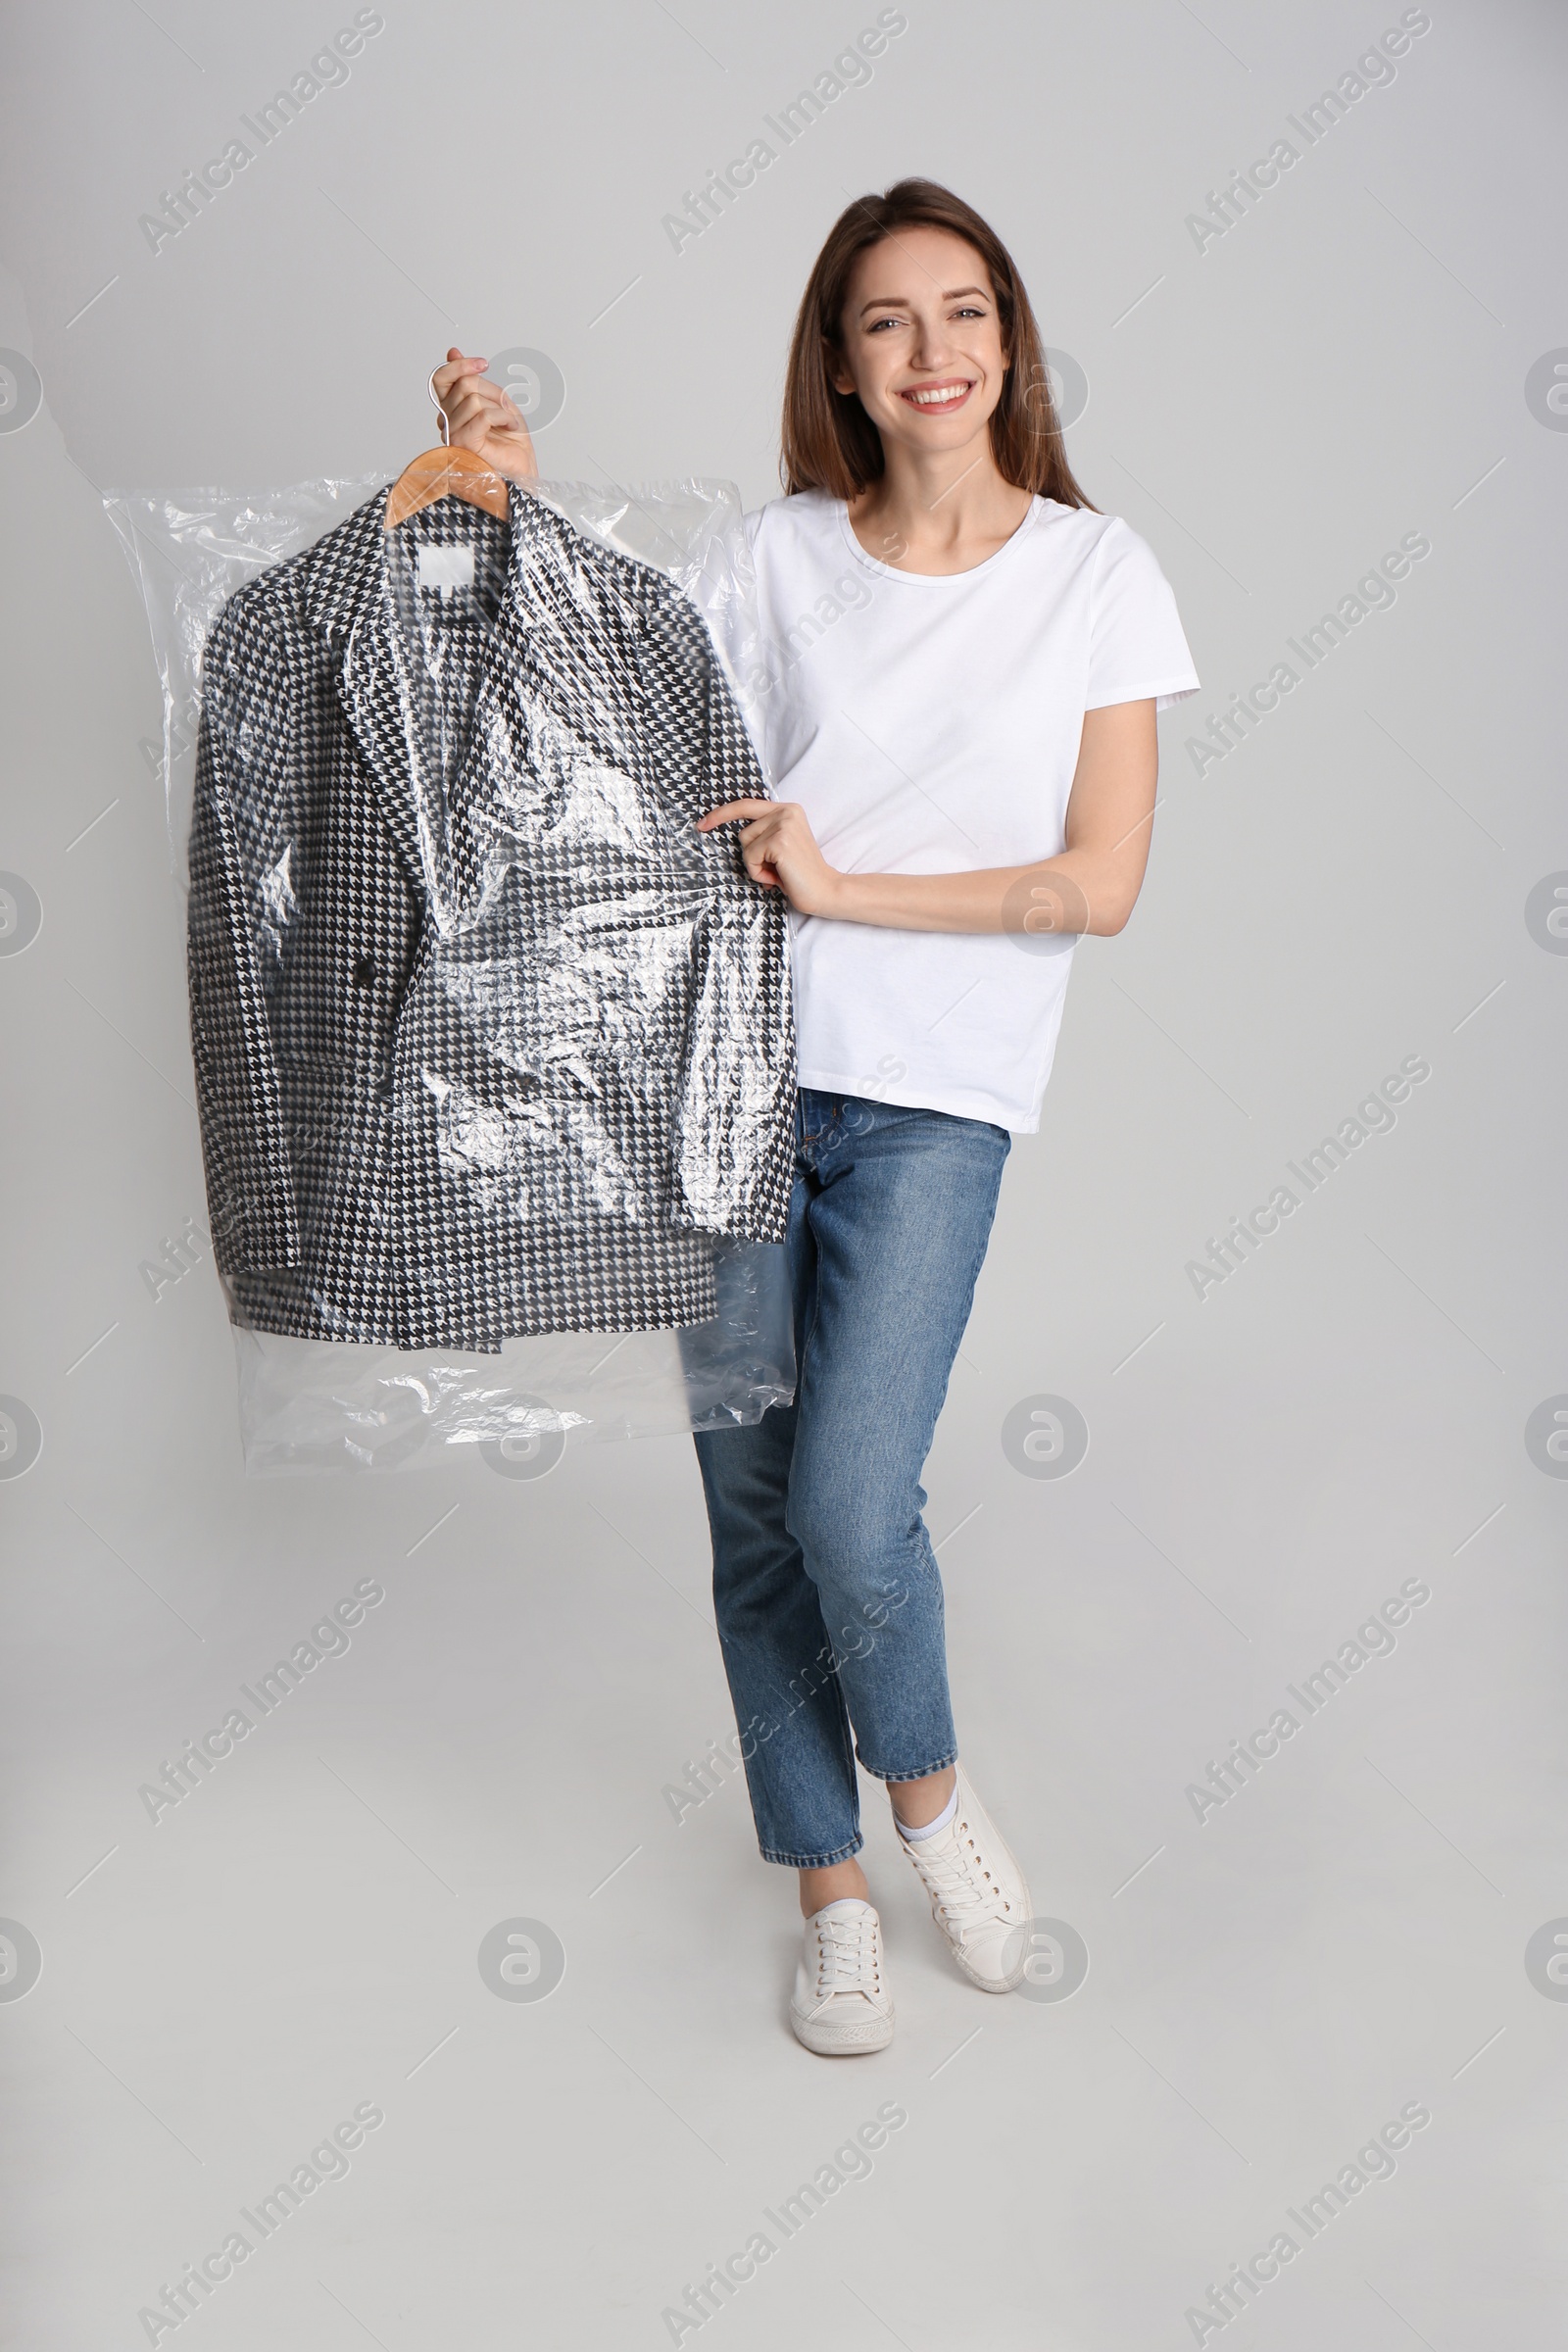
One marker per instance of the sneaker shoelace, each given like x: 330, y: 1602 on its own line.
x: 963, y: 1888
x: 845, y: 1957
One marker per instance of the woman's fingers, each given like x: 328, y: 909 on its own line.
x: 478, y: 414
x: 760, y: 836
x: 778, y: 849
x: 462, y: 413
x: 509, y: 419
x: 761, y: 844
x: 482, y: 416
x: 471, y: 404
x: 733, y: 808
x: 475, y: 396
x: 458, y: 365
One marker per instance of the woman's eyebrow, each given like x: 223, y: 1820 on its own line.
x: 900, y: 302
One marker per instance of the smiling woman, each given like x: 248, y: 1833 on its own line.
x: 962, y: 756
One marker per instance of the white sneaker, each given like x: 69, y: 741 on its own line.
x: 842, y: 2005
x: 978, y: 1895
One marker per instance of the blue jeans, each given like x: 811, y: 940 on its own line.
x: 826, y: 1589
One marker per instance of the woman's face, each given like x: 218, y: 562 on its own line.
x: 921, y: 340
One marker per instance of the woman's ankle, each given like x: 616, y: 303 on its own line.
x: 916, y: 1803
x: 832, y: 1884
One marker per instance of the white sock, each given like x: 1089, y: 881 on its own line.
x: 929, y: 1829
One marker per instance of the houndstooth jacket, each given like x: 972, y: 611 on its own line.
x: 488, y: 1039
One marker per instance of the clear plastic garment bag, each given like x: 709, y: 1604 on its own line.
x: 494, y: 1052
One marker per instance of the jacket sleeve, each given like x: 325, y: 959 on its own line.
x: 240, y: 902
x: 734, y: 1124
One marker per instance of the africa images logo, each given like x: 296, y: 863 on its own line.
x: 851, y: 70
x: 181, y: 206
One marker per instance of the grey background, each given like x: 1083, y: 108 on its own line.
x: 1266, y: 1989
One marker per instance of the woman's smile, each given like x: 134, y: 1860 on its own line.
x: 944, y: 396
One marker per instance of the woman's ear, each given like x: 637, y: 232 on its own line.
x: 838, y: 373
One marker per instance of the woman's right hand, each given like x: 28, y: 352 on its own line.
x: 484, y: 418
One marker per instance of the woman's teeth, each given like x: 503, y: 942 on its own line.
x: 937, y: 399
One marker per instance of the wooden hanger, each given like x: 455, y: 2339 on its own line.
x: 446, y: 473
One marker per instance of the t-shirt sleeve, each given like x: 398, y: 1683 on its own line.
x: 1136, y: 645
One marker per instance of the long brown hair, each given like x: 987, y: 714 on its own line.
x: 829, y: 442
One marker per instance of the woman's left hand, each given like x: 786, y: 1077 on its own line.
x: 781, y: 852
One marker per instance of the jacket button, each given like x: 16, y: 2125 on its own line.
x: 365, y: 971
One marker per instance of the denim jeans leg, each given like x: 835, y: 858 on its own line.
x: 791, y: 1715
x: 827, y: 1590
x: 900, y: 1221
x: 805, y: 1795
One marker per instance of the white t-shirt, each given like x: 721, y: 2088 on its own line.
x: 927, y: 725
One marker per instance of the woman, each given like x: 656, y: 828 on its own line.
x: 956, y: 711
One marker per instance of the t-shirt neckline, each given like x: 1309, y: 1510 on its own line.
x: 937, y: 579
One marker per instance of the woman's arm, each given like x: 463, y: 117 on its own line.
x: 1090, y: 887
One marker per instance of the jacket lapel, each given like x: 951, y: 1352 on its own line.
x: 348, y: 597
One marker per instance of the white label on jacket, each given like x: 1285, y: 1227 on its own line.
x: 446, y: 568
